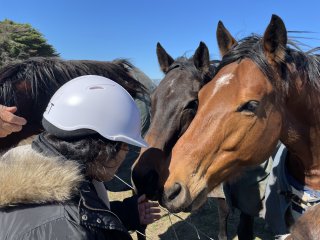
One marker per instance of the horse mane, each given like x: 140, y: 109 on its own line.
x: 188, y: 64
x: 306, y: 63
x: 46, y: 75
x: 148, y: 84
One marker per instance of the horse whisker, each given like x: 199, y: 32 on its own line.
x: 174, y: 230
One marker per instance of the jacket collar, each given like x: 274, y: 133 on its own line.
x: 41, y: 145
x: 27, y: 176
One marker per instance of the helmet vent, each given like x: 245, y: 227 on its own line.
x: 96, y: 87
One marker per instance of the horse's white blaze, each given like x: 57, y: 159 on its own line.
x: 172, y: 83
x: 171, y: 86
x: 222, y: 81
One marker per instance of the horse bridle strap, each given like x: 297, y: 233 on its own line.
x: 41, y: 145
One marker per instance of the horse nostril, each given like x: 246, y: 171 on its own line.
x: 176, y: 197
x: 174, y: 191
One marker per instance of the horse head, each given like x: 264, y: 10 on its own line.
x: 239, y: 118
x: 173, y: 106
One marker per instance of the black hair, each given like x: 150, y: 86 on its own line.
x: 93, y: 151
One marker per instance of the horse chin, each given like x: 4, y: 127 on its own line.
x: 189, y: 205
x: 200, y: 199
x: 172, y: 208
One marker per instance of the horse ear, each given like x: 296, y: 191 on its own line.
x: 275, y: 40
x: 201, y: 58
x: 225, y: 39
x: 164, y: 59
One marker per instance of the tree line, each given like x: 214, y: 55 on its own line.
x: 21, y: 41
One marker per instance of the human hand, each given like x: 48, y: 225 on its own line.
x: 148, y: 211
x: 9, y: 122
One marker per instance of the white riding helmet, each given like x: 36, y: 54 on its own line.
x: 94, y: 103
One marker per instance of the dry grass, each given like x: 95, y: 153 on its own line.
x: 205, y: 219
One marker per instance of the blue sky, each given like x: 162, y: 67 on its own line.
x: 106, y: 30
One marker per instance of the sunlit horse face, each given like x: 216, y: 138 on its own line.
x: 174, y: 104
x: 238, y: 122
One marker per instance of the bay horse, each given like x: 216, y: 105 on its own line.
x: 264, y: 91
x: 30, y: 84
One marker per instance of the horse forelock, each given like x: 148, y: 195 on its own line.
x: 249, y: 47
x: 187, y: 65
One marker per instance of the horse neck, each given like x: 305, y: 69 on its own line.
x: 301, y: 131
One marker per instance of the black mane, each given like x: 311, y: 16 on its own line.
x: 46, y: 75
x: 306, y: 63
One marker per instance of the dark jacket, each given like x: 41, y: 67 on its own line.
x: 69, y: 209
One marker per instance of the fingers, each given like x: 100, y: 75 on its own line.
x: 142, y: 198
x: 150, y: 205
x: 150, y: 216
x: 149, y: 211
x: 9, y: 109
x: 7, y: 128
x: 150, y: 219
x: 3, y: 133
x: 9, y: 117
x: 9, y: 122
x: 11, y: 127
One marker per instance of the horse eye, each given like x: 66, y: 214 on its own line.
x: 250, y: 106
x: 192, y: 105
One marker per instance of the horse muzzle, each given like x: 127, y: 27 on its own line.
x: 146, y: 174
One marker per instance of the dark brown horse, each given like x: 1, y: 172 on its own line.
x: 173, y: 106
x: 264, y: 91
x: 30, y: 84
